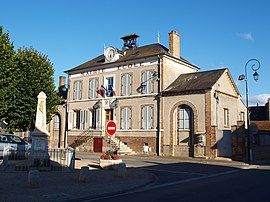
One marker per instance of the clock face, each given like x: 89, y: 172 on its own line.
x: 110, y: 53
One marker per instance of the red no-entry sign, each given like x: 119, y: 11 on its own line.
x: 111, y: 128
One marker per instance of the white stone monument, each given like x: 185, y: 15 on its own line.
x: 39, y: 156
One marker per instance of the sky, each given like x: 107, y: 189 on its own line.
x: 214, y: 34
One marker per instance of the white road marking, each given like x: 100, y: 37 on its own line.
x: 177, y: 172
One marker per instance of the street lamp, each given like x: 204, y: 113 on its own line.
x: 255, y: 65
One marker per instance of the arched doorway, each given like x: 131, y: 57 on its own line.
x: 57, y: 130
x: 185, y: 128
x: 183, y: 124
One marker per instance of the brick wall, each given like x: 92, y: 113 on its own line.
x: 137, y: 143
x: 210, y: 132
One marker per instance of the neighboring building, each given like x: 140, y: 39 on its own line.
x: 58, y: 125
x: 161, y: 103
x: 260, y: 129
x: 260, y: 113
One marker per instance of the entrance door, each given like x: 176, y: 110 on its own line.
x: 108, y: 115
x: 185, y: 124
x: 97, y: 144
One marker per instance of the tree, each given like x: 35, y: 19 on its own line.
x: 8, y: 71
x: 36, y: 75
x: 23, y: 74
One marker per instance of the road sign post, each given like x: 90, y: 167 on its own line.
x: 110, y: 130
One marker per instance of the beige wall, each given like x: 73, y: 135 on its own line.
x: 136, y: 72
x: 197, y: 100
x: 54, y: 134
x: 172, y: 68
x: 135, y: 101
x: 228, y: 98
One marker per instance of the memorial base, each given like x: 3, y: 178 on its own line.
x: 39, y: 156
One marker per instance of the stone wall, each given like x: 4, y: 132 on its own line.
x: 181, y: 150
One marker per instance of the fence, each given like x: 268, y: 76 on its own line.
x: 19, y: 159
x: 65, y: 157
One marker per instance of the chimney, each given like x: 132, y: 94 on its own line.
x: 174, y: 44
x: 62, y: 81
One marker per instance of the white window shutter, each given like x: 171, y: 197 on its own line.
x: 144, y: 78
x: 90, y: 118
x: 123, y: 85
x: 128, y: 118
x: 125, y: 118
x: 98, y: 124
x: 96, y: 87
x: 129, y: 84
x: 70, y: 120
x: 144, y: 117
x: 151, y: 117
x: 91, y: 88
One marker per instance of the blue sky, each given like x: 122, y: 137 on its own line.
x: 214, y: 34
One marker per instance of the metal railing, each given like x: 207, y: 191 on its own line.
x: 59, y: 158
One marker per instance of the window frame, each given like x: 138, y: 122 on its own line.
x: 226, y: 118
x: 147, y: 89
x: 183, y: 118
x: 127, y: 119
x: 77, y: 91
x: 90, y: 90
x: 128, y: 90
x: 145, y: 126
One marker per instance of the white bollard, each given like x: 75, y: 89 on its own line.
x: 33, y: 178
x: 84, y: 173
x: 121, y: 170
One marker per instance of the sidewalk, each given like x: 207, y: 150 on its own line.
x: 62, y: 186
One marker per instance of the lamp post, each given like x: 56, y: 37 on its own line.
x: 255, y: 65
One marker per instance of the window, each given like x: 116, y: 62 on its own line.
x: 56, y: 124
x: 126, y: 84
x: 80, y: 119
x: 109, y: 86
x: 126, y: 118
x: 96, y: 118
x: 93, y: 86
x: 226, y: 117
x: 77, y: 91
x: 147, y: 117
x: 147, y: 82
x: 242, y: 116
x: 183, y: 118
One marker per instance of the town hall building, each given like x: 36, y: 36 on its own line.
x: 161, y: 103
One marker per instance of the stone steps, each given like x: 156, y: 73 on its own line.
x: 122, y: 148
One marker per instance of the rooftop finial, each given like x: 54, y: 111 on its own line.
x: 158, y: 37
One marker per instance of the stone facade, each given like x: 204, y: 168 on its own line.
x: 206, y: 105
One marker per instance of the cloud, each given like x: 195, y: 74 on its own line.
x: 246, y: 36
x: 260, y: 99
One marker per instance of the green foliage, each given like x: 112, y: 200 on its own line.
x: 8, y: 70
x: 26, y: 72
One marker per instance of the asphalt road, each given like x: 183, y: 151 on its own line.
x: 196, y: 180
x: 243, y: 185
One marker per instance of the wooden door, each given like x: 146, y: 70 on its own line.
x: 97, y: 144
